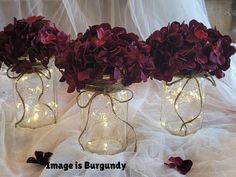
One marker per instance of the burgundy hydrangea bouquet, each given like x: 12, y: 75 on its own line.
x: 100, y: 64
x: 181, y: 49
x: 105, y: 51
x: 27, y: 48
x: 30, y: 41
x: 184, y: 54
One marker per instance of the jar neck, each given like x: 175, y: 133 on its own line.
x: 196, y: 75
x: 37, y: 66
x: 104, y: 86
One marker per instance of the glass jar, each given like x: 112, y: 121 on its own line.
x: 35, y: 97
x: 6, y: 90
x: 104, y: 115
x: 182, y: 105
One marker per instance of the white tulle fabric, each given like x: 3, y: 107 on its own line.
x: 212, y: 149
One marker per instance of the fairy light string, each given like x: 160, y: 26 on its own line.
x: 188, y: 78
x: 38, y: 70
x: 106, y: 90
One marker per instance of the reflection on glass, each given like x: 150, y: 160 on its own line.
x: 35, y: 99
x: 182, y: 106
x: 105, y: 133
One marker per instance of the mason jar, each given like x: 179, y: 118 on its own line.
x: 35, y: 97
x: 104, y: 116
x: 6, y: 90
x: 182, y: 108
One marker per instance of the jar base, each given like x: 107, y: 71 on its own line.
x: 105, y: 146
x: 173, y: 127
x: 34, y: 124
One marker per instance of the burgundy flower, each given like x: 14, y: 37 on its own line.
x: 40, y: 158
x: 45, y: 37
x: 32, y: 19
x: 103, y: 50
x: 33, y: 38
x: 175, y: 39
x: 194, y: 25
x: 182, y: 166
x: 181, y: 49
x: 200, y: 34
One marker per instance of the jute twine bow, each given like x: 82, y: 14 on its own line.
x: 188, y: 78
x: 106, y: 91
x: 38, y: 71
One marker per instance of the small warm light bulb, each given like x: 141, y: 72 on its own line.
x: 24, y: 78
x: 36, y: 109
x: 89, y: 142
x: 176, y: 107
x: 26, y: 107
x: 171, y: 101
x: 18, y: 105
x: 105, y: 124
x: 38, y: 89
x: 123, y: 92
x: 183, y: 129
x: 105, y: 146
x: 31, y: 89
x: 52, y: 104
x: 104, y: 117
x: 36, y: 116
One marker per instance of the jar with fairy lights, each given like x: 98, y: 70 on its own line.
x: 35, y: 97
x: 182, y: 106
x: 185, y: 56
x: 104, y: 116
x: 100, y: 64
x: 28, y: 47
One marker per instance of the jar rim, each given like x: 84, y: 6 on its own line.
x: 104, y: 85
x: 37, y: 66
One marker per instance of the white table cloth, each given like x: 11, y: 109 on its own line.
x: 212, y: 149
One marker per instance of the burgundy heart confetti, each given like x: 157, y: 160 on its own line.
x: 182, y: 166
x: 40, y: 158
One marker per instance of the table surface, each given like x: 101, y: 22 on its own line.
x: 212, y: 149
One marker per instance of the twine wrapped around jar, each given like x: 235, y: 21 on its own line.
x: 188, y: 78
x: 106, y: 88
x: 37, y: 68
